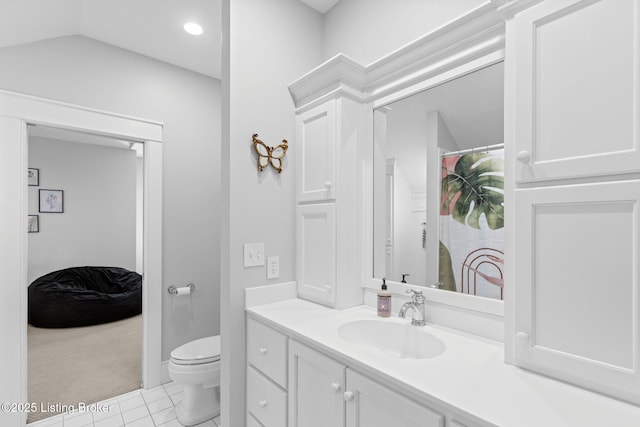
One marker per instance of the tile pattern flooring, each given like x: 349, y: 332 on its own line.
x: 139, y: 408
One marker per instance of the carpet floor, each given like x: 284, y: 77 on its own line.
x: 87, y: 364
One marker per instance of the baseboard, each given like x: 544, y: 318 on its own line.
x: 270, y: 293
x: 164, y: 372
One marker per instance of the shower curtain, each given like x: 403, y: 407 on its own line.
x: 471, y: 258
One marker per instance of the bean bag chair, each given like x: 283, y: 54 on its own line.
x: 84, y: 296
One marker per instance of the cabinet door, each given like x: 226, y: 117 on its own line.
x: 316, y: 133
x: 577, y: 294
x: 316, y: 385
x: 369, y: 404
x: 577, y: 89
x: 316, y: 253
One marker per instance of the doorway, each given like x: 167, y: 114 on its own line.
x: 84, y: 336
x: 17, y: 111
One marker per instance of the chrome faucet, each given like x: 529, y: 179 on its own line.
x: 418, y: 317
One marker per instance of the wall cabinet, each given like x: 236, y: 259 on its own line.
x: 315, y: 153
x: 576, y: 248
x: 315, y: 252
x: 328, y: 179
x: 576, y: 263
x: 577, y: 97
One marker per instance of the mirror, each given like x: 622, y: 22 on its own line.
x: 439, y: 186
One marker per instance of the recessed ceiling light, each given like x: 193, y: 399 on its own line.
x: 193, y: 28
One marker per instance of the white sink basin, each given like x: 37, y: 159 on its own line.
x: 393, y: 339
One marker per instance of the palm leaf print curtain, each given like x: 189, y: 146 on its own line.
x: 471, y: 258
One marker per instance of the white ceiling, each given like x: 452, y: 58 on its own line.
x: 149, y: 27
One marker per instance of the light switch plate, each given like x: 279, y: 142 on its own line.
x: 253, y: 254
x: 273, y: 267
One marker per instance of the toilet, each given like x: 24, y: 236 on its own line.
x: 196, y: 366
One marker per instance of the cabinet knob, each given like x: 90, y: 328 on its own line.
x: 522, y: 337
x: 335, y: 387
x: 328, y: 184
x: 348, y: 396
x: 263, y: 350
x: 262, y: 403
x: 523, y: 156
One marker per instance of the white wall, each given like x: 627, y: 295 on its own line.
x: 98, y: 224
x: 366, y: 30
x: 269, y: 45
x: 83, y: 71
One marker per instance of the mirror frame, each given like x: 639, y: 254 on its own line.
x: 18, y: 110
x: 468, y: 44
x: 472, y: 302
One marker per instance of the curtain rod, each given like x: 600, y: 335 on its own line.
x: 472, y: 150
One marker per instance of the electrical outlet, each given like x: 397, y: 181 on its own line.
x: 253, y: 254
x: 273, y: 267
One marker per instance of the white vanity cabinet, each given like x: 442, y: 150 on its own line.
x: 292, y: 384
x: 328, y: 179
x: 369, y: 404
x: 266, y: 396
x: 326, y: 392
x: 576, y: 256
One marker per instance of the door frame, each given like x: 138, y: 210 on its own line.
x: 16, y: 112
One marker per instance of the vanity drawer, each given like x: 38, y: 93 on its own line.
x: 267, y: 351
x: 265, y: 400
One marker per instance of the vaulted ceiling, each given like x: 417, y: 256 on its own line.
x: 150, y: 27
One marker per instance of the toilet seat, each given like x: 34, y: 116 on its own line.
x: 198, y: 352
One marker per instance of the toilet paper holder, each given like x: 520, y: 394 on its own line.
x: 174, y: 291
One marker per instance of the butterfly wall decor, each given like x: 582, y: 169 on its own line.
x: 269, y: 155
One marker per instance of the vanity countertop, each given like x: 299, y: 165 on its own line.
x: 469, y: 375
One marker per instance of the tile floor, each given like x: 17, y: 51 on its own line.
x: 140, y: 408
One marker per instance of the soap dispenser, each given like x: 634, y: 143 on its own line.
x: 384, y: 300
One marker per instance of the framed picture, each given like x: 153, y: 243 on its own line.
x: 33, y: 224
x: 33, y: 177
x: 51, y: 201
